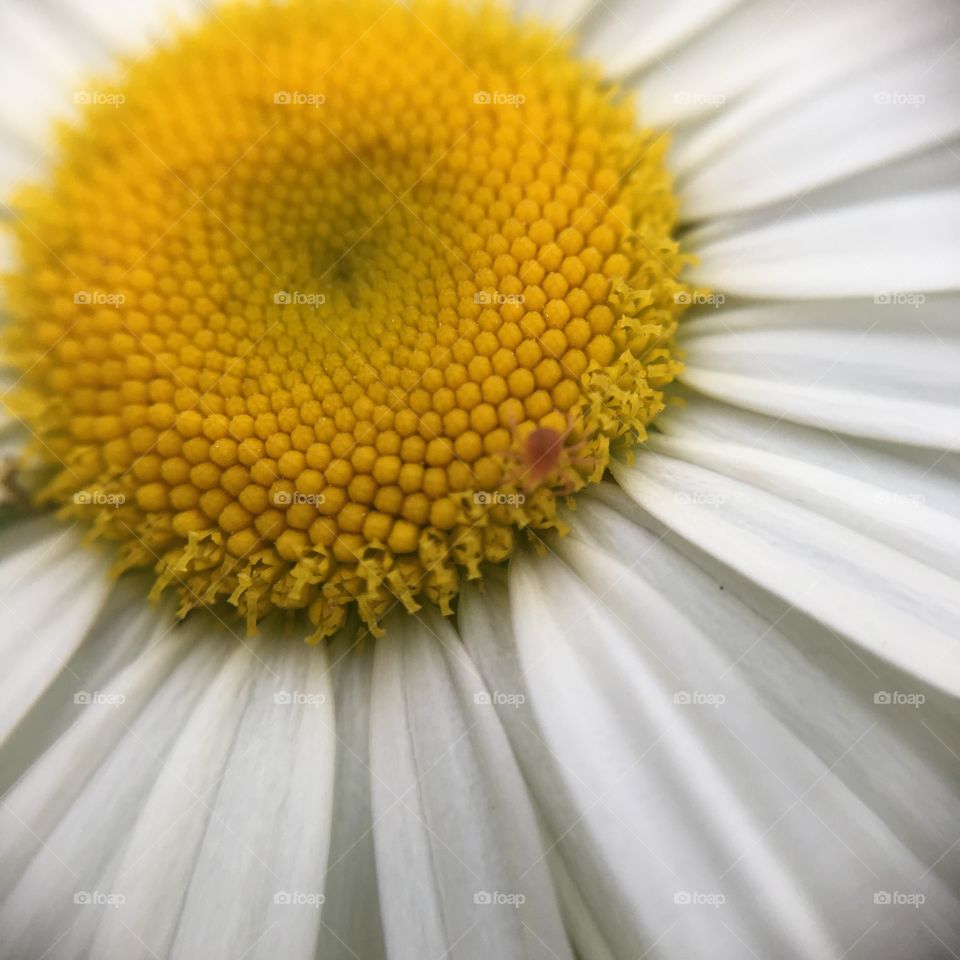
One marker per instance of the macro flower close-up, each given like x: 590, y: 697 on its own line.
x: 480, y: 479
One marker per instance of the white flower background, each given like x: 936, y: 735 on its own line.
x: 719, y: 719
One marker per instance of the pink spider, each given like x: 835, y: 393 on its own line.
x: 545, y: 457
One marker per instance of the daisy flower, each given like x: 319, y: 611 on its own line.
x: 480, y: 481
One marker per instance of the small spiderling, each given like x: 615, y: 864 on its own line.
x: 545, y: 458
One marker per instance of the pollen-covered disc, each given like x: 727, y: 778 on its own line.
x: 302, y: 283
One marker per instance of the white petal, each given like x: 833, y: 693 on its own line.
x: 64, y: 821
x: 652, y: 799
x: 40, y: 70
x: 51, y: 589
x: 783, y: 144
x: 459, y: 858
x: 130, y: 27
x: 115, y: 639
x: 599, y: 924
x: 766, y: 44
x: 832, y: 408
x: 562, y: 14
x: 888, y: 516
x: 604, y: 723
x: 178, y: 809
x: 263, y: 858
x: 587, y: 936
x: 206, y: 790
x: 820, y: 688
x: 882, y: 368
x: 801, y: 672
x: 903, y: 244
x: 351, y: 912
x: 897, y: 608
x: 908, y: 478
x: 50, y: 56
x: 627, y: 35
x: 934, y: 169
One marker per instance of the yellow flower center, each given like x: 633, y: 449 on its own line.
x: 323, y: 303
